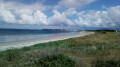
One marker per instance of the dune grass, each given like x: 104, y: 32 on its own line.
x: 96, y: 50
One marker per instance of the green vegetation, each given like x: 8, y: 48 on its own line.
x: 97, y: 50
x: 107, y: 63
x: 58, y: 60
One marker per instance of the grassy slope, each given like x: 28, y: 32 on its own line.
x: 86, y: 51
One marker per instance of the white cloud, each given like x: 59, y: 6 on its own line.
x: 70, y: 12
x: 74, y: 3
x: 37, y: 18
x: 7, y: 16
x: 92, y: 18
x: 114, y: 14
x: 22, y: 13
x: 34, y: 14
x: 59, y: 19
x: 14, y: 5
x: 40, y: 17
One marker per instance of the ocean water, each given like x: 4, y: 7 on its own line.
x: 12, y: 35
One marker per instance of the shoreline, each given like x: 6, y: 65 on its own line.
x: 27, y: 43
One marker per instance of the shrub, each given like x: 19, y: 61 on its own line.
x: 58, y: 60
x: 12, y: 55
x: 107, y: 63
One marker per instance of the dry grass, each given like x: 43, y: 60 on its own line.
x: 86, y: 51
x: 109, y: 37
x: 111, y: 41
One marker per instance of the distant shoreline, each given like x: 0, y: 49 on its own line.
x: 21, y: 44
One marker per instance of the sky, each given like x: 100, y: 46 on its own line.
x: 60, y: 14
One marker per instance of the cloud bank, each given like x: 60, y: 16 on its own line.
x: 73, y: 3
x: 33, y: 14
x: 92, y: 18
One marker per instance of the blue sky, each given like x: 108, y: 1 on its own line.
x: 63, y: 14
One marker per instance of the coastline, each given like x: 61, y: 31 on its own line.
x: 26, y: 43
x: 103, y: 47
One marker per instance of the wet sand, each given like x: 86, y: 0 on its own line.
x: 25, y: 43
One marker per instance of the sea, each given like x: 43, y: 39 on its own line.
x: 13, y: 35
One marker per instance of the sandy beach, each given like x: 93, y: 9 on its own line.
x: 25, y: 43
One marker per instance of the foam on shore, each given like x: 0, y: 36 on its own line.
x: 20, y: 44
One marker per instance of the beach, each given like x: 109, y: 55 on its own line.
x: 79, y: 49
x: 25, y: 43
